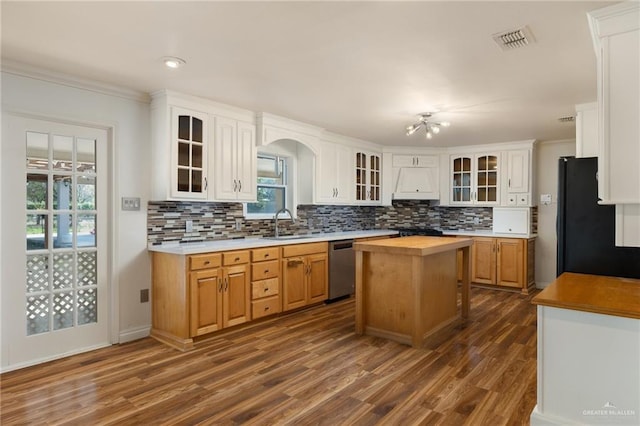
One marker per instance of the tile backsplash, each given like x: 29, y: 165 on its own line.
x: 166, y: 220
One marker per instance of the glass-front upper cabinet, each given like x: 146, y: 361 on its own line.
x: 368, y: 177
x: 461, y: 185
x: 487, y: 179
x: 189, y: 139
x: 475, y: 179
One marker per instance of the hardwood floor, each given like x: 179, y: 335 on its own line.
x: 307, y: 368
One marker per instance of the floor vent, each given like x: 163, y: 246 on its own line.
x: 514, y: 39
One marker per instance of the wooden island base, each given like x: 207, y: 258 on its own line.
x: 406, y: 288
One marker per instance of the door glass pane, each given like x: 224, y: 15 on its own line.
x: 86, y: 230
x: 184, y: 127
x: 87, y: 306
x: 466, y: 179
x: 466, y: 194
x: 492, y: 178
x: 196, y: 155
x: 62, y: 152
x: 183, y: 154
x: 62, y: 192
x: 482, y: 194
x: 492, y: 194
x: 37, y: 314
x: 466, y: 164
x: 63, y: 270
x: 183, y: 179
x: 63, y: 310
x: 86, y: 193
x: 196, y: 181
x: 196, y: 136
x: 87, y: 262
x: 37, y: 273
x: 36, y: 231
x: 482, y: 178
x: 36, y: 191
x: 62, y: 230
x: 86, y: 155
x: 482, y: 163
x: 492, y: 162
x: 37, y: 150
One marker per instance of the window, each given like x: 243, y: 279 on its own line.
x: 272, y: 186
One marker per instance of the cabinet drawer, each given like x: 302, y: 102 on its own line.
x: 203, y: 261
x: 262, y: 308
x: 262, y: 270
x: 303, y: 249
x: 235, y: 257
x: 269, y: 253
x: 265, y: 288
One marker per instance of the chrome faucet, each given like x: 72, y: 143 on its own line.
x: 283, y: 210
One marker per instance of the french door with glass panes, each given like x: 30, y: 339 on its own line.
x: 54, y: 278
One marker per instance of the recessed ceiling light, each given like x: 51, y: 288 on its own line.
x: 173, y: 62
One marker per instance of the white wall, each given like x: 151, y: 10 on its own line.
x: 548, y: 153
x: 130, y: 169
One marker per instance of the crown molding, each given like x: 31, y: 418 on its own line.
x: 25, y: 70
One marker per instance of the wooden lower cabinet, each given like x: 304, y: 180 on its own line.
x: 305, y: 272
x: 503, y: 262
x: 220, y: 295
x: 266, y: 296
x: 194, y: 295
x: 198, y: 294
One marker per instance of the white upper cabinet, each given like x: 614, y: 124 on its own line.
x: 475, y: 179
x: 616, y: 36
x: 587, y: 130
x: 234, y: 160
x: 368, y: 177
x: 518, y: 179
x: 415, y: 177
x: 179, y: 151
x: 201, y: 150
x: 334, y: 174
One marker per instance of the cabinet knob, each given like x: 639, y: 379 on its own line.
x: 206, y: 262
x: 237, y: 259
x: 266, y: 308
x: 266, y: 271
x: 266, y: 255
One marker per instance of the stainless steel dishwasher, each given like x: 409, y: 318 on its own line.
x: 342, y: 269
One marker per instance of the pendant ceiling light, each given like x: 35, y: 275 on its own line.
x: 431, y: 127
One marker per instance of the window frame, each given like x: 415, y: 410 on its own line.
x: 285, y: 186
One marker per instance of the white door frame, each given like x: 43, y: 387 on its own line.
x: 111, y: 211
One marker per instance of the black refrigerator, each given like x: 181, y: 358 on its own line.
x: 586, y: 229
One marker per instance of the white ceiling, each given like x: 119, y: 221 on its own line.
x: 361, y: 69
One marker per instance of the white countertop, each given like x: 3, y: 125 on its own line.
x: 256, y: 242
x: 488, y: 233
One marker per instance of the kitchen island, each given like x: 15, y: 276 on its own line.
x: 406, y: 288
x: 588, y: 351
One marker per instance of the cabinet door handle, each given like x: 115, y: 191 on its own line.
x: 337, y: 192
x: 226, y: 284
x: 239, y: 185
x: 293, y: 262
x: 220, y: 285
x: 206, y: 183
x: 509, y: 182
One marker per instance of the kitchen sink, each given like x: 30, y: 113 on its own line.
x: 288, y: 237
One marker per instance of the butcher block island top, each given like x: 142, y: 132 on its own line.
x: 593, y: 293
x: 407, y: 288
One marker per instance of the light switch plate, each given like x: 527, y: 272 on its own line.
x: 545, y: 199
x: 131, y: 203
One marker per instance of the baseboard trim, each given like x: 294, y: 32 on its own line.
x: 30, y: 363
x: 134, y: 334
x: 539, y: 419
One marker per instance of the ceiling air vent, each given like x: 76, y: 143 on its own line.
x: 568, y: 119
x: 514, y: 39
